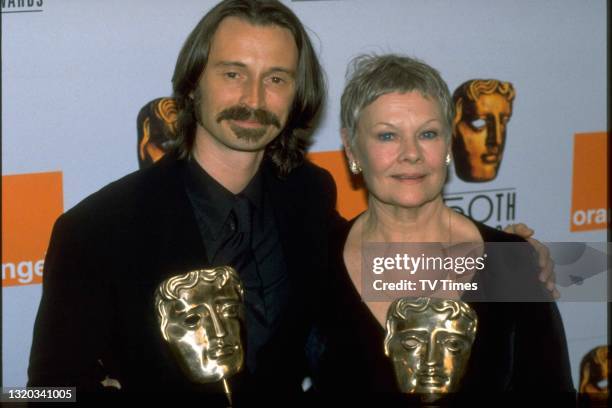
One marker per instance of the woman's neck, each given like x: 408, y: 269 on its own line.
x: 388, y: 223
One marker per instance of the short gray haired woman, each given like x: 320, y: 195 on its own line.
x: 396, y: 125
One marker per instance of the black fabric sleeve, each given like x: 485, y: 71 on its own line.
x: 541, y: 363
x: 72, y: 326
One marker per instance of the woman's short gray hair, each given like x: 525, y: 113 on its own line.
x: 371, y: 76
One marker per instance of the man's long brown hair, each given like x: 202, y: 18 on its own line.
x: 287, y: 151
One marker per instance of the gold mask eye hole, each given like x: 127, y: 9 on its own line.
x: 192, y: 320
x: 454, y: 345
x: 410, y: 343
x: 478, y: 124
x: 230, y: 310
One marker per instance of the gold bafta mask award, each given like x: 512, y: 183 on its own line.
x: 201, y: 316
x: 429, y: 341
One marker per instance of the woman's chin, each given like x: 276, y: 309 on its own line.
x: 412, y: 202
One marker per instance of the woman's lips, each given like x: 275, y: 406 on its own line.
x: 409, y: 178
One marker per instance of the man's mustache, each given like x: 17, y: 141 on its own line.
x: 262, y: 116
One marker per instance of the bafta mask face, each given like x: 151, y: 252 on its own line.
x: 202, y: 324
x: 429, y: 342
x: 483, y: 108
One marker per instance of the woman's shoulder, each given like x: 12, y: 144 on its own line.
x: 490, y: 234
x: 467, y: 229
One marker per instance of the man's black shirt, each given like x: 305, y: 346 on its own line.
x: 261, y: 267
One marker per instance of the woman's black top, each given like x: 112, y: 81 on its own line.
x: 520, y: 348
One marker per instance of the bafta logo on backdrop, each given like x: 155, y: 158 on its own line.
x: 156, y: 124
x: 594, y: 377
x: 483, y: 108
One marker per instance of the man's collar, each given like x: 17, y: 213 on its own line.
x: 214, y: 198
x: 254, y: 190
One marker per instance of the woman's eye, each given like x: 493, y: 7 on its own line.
x: 231, y: 75
x: 430, y: 134
x: 277, y: 80
x: 386, y: 136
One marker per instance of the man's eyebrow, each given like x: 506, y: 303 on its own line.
x: 287, y: 71
x: 238, y: 64
x: 230, y: 64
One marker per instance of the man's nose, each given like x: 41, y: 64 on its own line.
x: 253, y: 94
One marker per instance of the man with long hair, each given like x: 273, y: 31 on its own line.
x: 235, y: 190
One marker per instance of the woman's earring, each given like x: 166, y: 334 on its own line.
x: 355, y: 169
x: 448, y: 159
